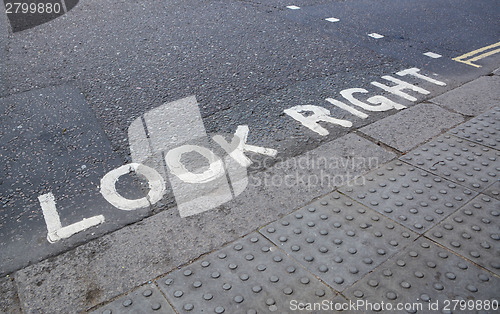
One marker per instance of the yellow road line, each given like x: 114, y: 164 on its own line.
x: 479, y: 57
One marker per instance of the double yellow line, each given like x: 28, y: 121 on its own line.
x: 472, y: 56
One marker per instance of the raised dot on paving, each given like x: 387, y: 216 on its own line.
x: 493, y: 190
x: 411, y: 196
x: 252, y: 277
x: 293, y: 7
x: 470, y: 164
x: 338, y: 239
x: 473, y: 232
x: 147, y: 299
x: 483, y: 129
x: 424, y: 274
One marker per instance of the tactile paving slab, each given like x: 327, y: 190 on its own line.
x: 248, y: 276
x: 427, y: 275
x: 472, y: 165
x: 338, y: 239
x: 147, y: 299
x: 473, y: 232
x: 493, y: 190
x: 483, y: 129
x: 411, y: 196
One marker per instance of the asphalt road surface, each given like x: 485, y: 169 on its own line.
x: 73, y: 84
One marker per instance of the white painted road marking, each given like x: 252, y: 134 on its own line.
x: 163, y: 136
x: 414, y: 72
x: 432, y: 55
x: 320, y: 114
x: 163, y: 129
x: 350, y: 109
x: 332, y: 19
x: 159, y: 133
x: 215, y: 170
x: 293, y: 7
x: 376, y: 36
x: 238, y: 146
x: 398, y: 89
x: 168, y: 127
x: 55, y: 230
x: 65, y: 8
x: 155, y: 182
x: 383, y: 103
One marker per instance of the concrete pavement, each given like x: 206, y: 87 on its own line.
x: 412, y: 219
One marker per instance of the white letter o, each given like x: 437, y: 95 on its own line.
x: 155, y: 182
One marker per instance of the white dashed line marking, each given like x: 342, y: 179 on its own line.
x: 293, y: 7
x: 376, y: 36
x: 332, y: 19
x: 432, y: 55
